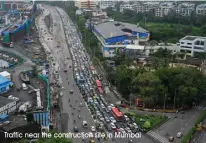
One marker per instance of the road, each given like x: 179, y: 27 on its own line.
x: 26, y: 65
x: 60, y: 54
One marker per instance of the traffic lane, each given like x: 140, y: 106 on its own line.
x: 85, y: 115
x: 179, y: 124
x: 199, y: 137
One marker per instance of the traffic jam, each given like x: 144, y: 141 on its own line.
x: 106, y: 116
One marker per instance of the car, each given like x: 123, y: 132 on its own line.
x: 107, y: 119
x: 179, y: 135
x: 93, y: 129
x: 108, y: 127
x: 70, y: 66
x: 98, y: 113
x: 65, y: 70
x: 13, y: 98
x: 171, y: 139
x: 113, y: 126
x: 126, y: 117
x: 109, y: 107
x: 101, y: 118
x: 112, y: 120
x: 71, y: 91
x: 76, y: 129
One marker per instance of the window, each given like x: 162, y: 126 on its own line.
x: 198, y: 48
x: 182, y: 42
x: 189, y: 43
x: 186, y: 47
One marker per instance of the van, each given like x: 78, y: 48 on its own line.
x: 24, y: 86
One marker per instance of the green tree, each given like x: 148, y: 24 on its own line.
x: 123, y: 80
x: 148, y: 84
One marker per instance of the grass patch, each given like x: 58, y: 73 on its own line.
x: 171, y: 32
x: 148, y: 122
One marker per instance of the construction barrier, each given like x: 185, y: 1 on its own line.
x: 47, y: 90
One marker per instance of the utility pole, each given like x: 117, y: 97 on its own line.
x: 164, y: 103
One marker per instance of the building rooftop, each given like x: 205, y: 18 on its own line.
x: 186, y: 5
x: 192, y: 38
x: 4, y: 101
x: 202, y: 6
x: 3, y: 79
x: 114, y: 29
x: 167, y: 4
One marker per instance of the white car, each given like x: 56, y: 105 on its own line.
x: 93, y: 129
x: 122, y: 130
x: 112, y: 120
x: 109, y: 107
x: 113, y: 126
x: 13, y: 98
x: 179, y: 135
x: 126, y: 117
x: 112, y: 105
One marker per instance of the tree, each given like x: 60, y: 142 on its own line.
x: 148, y: 84
x: 123, y: 80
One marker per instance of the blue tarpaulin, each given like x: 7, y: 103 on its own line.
x: 42, y: 118
x: 3, y: 116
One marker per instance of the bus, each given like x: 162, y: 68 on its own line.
x: 100, y: 90
x: 117, y: 114
x: 98, y: 83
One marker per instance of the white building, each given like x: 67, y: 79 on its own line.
x: 147, y: 6
x: 185, y: 9
x: 164, y: 9
x: 7, y: 105
x: 201, y: 9
x: 192, y: 45
x: 103, y: 4
x: 127, y: 6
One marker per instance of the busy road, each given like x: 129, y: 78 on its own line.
x: 81, y: 100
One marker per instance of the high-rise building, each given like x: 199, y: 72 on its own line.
x: 86, y: 4
x: 103, y: 4
x: 201, y: 9
x: 185, y: 9
x: 164, y: 9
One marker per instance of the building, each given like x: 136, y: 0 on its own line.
x: 128, y: 6
x: 13, y: 5
x: 164, y: 9
x: 6, y: 75
x: 115, y: 36
x: 4, y: 84
x: 103, y: 4
x: 146, y: 7
x: 185, y: 9
x: 86, y: 4
x: 192, y: 45
x: 201, y: 9
x: 7, y: 105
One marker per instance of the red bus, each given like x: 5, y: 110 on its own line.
x: 100, y: 90
x: 98, y: 83
x: 117, y: 114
